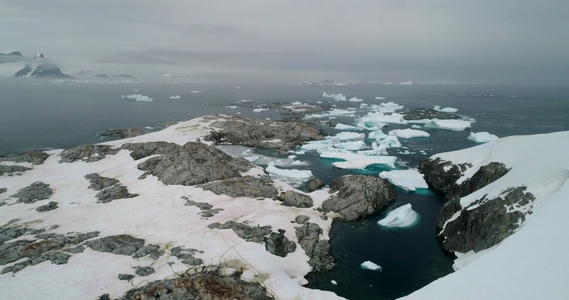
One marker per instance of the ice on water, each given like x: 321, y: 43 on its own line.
x: 138, y: 97
x: 402, y: 216
x: 454, y: 125
x: 445, y: 109
x: 368, y: 265
x: 408, y: 180
x: 294, y: 177
x: 336, y: 97
x: 408, y: 133
x: 482, y: 137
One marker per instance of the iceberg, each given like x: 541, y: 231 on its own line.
x: 482, y: 137
x: 402, y: 216
x: 454, y: 125
x: 294, y: 177
x: 408, y: 180
x: 340, y: 126
x: 352, y: 146
x: 260, y: 109
x: 336, y: 97
x: 346, y: 136
x: 175, y: 97
x: 368, y: 265
x: 355, y: 99
x: 445, y: 109
x: 408, y: 133
x: 390, y: 141
x: 358, y: 161
x: 138, y: 97
x: 377, y: 134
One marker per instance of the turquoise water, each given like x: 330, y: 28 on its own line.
x: 36, y: 114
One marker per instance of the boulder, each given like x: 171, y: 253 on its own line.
x: 318, y: 251
x: 36, y: 157
x: 114, y: 192
x: 50, y: 206
x: 358, y: 196
x: 314, y: 184
x: 278, y: 244
x: 246, y: 186
x: 292, y: 198
x: 4, y: 169
x: 251, y: 234
x: 34, y: 192
x: 122, y: 244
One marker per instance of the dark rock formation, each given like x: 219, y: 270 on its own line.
x: 99, y: 182
x: 11, y: 53
x: 247, y: 186
x: 12, y: 169
x: 141, y: 150
x: 207, y: 209
x: 251, y: 234
x: 34, y: 192
x: 186, y: 256
x: 144, y: 271
x: 117, y: 244
x: 427, y: 113
x: 48, y: 70
x: 50, y: 206
x: 262, y: 133
x: 359, y: 196
x: 122, y: 133
x: 114, y: 192
x: 194, y: 163
x: 86, y: 153
x: 24, y: 71
x: 301, y: 219
x: 314, y: 184
x: 278, y: 244
x: 199, y: 286
x: 317, y: 250
x: 35, y: 157
x: 127, y: 277
x: 486, y: 222
x: 3, y: 190
x: 292, y: 198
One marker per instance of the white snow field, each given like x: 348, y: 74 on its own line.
x: 402, y: 216
x: 533, y: 262
x: 159, y: 216
x: 408, y: 180
x: 482, y: 137
x: 454, y: 125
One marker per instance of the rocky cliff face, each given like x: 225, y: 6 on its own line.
x: 485, y: 222
x: 44, y: 70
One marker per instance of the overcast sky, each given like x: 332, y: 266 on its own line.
x: 482, y: 41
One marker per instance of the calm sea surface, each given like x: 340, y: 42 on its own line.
x: 47, y: 114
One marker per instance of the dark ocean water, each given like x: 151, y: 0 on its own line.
x: 43, y: 114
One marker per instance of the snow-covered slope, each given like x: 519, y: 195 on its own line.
x: 533, y: 262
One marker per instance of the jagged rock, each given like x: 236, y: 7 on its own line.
x: 114, y: 192
x: 86, y: 153
x: 144, y: 271
x: 35, y: 157
x: 151, y: 250
x: 314, y: 184
x: 247, y: 186
x: 359, y: 196
x: 262, y: 133
x: 292, y: 198
x: 427, y: 114
x: 301, y: 219
x: 48, y: 70
x: 186, y: 256
x: 278, y: 244
x: 10, y: 233
x: 199, y: 286
x: 3, y: 190
x: 122, y: 133
x: 24, y: 71
x: 34, y: 192
x: 486, y: 222
x: 317, y: 250
x: 207, y: 209
x: 50, y: 206
x: 141, y: 150
x: 251, y: 234
x: 12, y: 169
x: 122, y: 244
x: 195, y: 163
x: 99, y: 182
x: 127, y: 277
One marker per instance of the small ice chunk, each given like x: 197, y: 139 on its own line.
x: 377, y: 134
x: 454, y: 125
x: 336, y: 97
x: 390, y: 141
x: 352, y: 146
x: 340, y: 126
x: 260, y: 109
x: 408, y: 180
x: 196, y: 92
x: 358, y: 161
x: 355, y: 99
x: 347, y: 136
x: 175, y: 97
x: 291, y: 173
x: 296, y: 103
x: 368, y: 265
x: 334, y: 282
x: 482, y: 137
x: 138, y: 97
x: 379, y: 98
x: 408, y: 133
x: 232, y: 107
x: 445, y: 109
x: 402, y: 216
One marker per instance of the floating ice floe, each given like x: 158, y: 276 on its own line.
x: 175, y: 97
x: 482, y: 137
x: 138, y: 97
x: 368, y: 265
x: 294, y: 177
x: 196, y: 92
x: 454, y: 125
x: 346, y: 136
x: 352, y: 145
x: 358, y: 161
x: 260, y: 109
x: 408, y: 180
x: 379, y: 98
x: 389, y: 141
x: 332, y: 113
x: 340, y: 126
x: 355, y: 99
x: 445, y: 109
x: 334, y: 282
x: 336, y: 97
x: 377, y: 134
x: 402, y: 216
x: 409, y: 133
x: 232, y: 107
x: 377, y: 120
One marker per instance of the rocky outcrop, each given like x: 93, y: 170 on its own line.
x: 110, y: 188
x: 122, y: 133
x: 318, y: 251
x: 141, y: 150
x: 246, y: 186
x: 292, y: 198
x: 278, y: 244
x: 186, y: 256
x: 314, y: 184
x: 34, y: 192
x: 35, y: 157
x: 24, y: 71
x: 11, y: 170
x: 209, y: 285
x: 411, y: 114
x: 86, y: 153
x: 99, y: 182
x: 194, y: 163
x: 262, y: 133
x: 124, y: 244
x: 48, y: 207
x: 251, y: 234
x: 207, y: 209
x: 486, y: 222
x: 358, y: 196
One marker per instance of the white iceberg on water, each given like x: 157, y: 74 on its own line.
x: 368, y: 265
x: 454, y: 125
x: 409, y: 133
x: 138, y: 97
x: 402, y: 216
x: 445, y: 109
x: 408, y: 180
x: 482, y: 137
